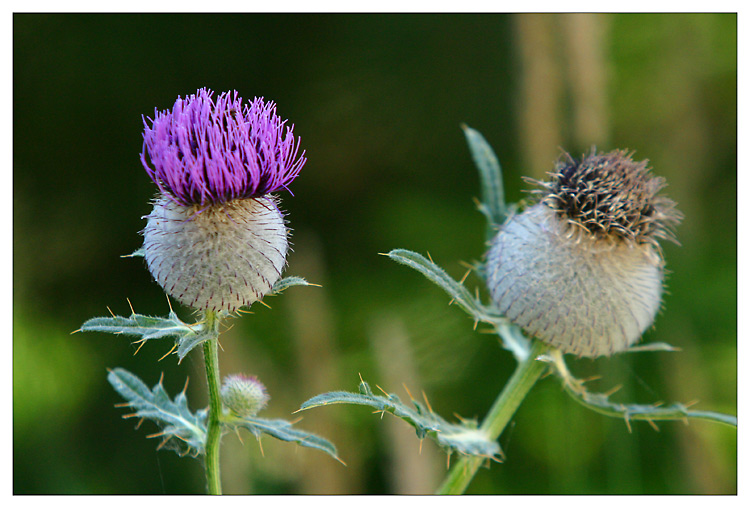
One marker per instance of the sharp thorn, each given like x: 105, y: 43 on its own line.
x: 407, y: 391
x: 264, y: 304
x: 168, y: 352
x: 384, y: 392
x: 463, y: 279
x: 612, y: 391
x: 427, y: 402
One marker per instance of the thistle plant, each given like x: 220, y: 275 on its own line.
x: 579, y: 271
x: 215, y: 241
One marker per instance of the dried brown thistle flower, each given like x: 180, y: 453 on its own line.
x: 582, y: 269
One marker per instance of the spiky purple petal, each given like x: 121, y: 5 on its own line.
x: 205, y: 151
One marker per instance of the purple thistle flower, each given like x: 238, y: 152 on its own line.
x: 216, y: 239
x: 206, y: 152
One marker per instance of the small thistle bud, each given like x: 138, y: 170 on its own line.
x: 216, y: 239
x: 244, y: 396
x: 582, y: 269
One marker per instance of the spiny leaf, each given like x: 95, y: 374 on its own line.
x: 173, y: 416
x: 651, y: 346
x: 509, y: 334
x: 464, y: 438
x: 455, y: 290
x: 137, y: 253
x: 490, y: 176
x: 186, y: 336
x: 513, y: 339
x: 148, y: 327
x: 285, y: 431
x: 288, y: 282
x: 601, y: 403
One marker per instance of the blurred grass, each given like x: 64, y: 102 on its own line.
x: 378, y: 101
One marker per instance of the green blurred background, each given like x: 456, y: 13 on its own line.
x: 378, y: 101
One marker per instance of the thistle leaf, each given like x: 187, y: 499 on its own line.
x: 186, y: 336
x: 455, y: 290
x: 492, y: 204
x: 652, y: 346
x: 288, y: 282
x: 148, y: 327
x: 285, y: 431
x: 172, y: 416
x: 139, y: 253
x: 601, y: 403
x: 464, y: 438
x: 511, y: 337
x: 188, y: 341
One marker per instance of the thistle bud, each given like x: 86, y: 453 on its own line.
x: 582, y: 269
x: 216, y: 239
x: 244, y: 396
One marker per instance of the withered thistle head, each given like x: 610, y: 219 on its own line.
x: 610, y: 195
x: 582, y: 268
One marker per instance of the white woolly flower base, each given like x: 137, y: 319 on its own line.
x: 219, y: 257
x: 583, y: 295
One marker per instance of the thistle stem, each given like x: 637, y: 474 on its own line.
x: 213, y: 432
x: 523, y: 379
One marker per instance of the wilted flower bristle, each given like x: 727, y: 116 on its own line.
x: 205, y: 152
x: 610, y: 195
x: 582, y: 269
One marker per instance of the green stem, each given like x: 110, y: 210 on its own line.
x: 524, y: 377
x: 213, y: 433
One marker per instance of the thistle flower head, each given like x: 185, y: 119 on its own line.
x: 244, y: 395
x: 216, y: 239
x: 610, y: 195
x: 582, y: 269
x: 206, y: 151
